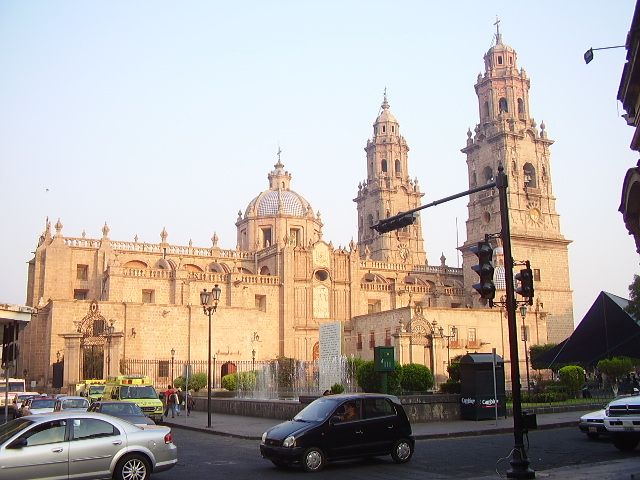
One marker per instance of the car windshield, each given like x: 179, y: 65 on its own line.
x: 47, y: 403
x: 122, y: 408
x: 316, y: 411
x: 95, y: 389
x: 138, y: 392
x: 9, y: 429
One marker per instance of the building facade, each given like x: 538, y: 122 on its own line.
x: 102, y: 301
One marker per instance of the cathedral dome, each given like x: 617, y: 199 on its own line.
x: 274, y: 202
x: 385, y: 115
x: 278, y: 199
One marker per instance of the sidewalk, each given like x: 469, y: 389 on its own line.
x: 251, y: 428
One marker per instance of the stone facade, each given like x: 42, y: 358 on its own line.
x: 101, y: 301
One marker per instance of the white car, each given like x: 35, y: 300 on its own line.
x: 70, y: 403
x: 35, y: 405
x: 622, y: 421
x: 592, y: 424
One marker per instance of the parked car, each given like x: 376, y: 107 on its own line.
x: 35, y: 405
x: 592, y: 424
x: 126, y: 410
x: 83, y: 445
x: 339, y: 427
x: 69, y: 403
x: 18, y: 400
x: 622, y: 421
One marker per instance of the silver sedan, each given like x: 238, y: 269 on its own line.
x: 83, y: 445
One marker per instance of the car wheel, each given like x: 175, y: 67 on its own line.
x: 593, y: 436
x: 280, y: 463
x: 626, y: 443
x: 313, y: 460
x: 133, y: 467
x: 402, y: 451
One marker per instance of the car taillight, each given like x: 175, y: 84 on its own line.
x: 168, y: 438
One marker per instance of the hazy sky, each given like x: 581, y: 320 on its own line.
x: 153, y: 114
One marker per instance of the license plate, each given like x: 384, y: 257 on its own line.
x: 593, y: 429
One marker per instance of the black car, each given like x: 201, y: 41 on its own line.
x: 339, y: 427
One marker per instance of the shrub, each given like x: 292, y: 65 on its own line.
x: 247, y: 381
x: 196, y: 382
x: 337, y: 388
x: 614, y: 368
x: 450, y: 386
x: 453, y: 369
x: 572, y: 377
x: 370, y: 381
x: 416, y: 378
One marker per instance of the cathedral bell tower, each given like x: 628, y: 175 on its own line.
x: 507, y: 135
x: 387, y: 191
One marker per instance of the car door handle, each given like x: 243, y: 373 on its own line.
x: 117, y: 442
x: 389, y: 427
x: 359, y: 432
x: 57, y: 450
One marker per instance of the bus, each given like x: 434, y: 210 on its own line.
x: 14, y: 385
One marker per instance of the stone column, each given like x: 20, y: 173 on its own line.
x: 402, y: 344
x: 112, y: 354
x: 72, y: 361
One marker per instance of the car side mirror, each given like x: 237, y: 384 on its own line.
x: 18, y: 443
x: 335, y: 419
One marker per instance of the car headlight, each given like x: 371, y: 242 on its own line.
x: 290, y: 441
x: 264, y: 437
x: 606, y: 412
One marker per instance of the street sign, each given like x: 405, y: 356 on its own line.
x: 383, y: 359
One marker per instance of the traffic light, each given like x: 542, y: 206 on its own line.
x: 486, y: 288
x: 394, y: 223
x: 525, y: 277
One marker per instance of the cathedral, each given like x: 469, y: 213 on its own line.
x: 102, y: 301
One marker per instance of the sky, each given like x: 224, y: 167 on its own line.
x: 160, y: 114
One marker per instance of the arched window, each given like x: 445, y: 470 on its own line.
x: 398, y: 168
x: 487, y: 174
x: 502, y: 105
x: 384, y: 129
x: 529, y: 176
x: 520, y: 107
x: 486, y: 109
x: 384, y: 165
x: 474, y: 179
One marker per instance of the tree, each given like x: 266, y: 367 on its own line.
x: 572, y: 377
x: 534, y: 353
x: 633, y: 308
x: 614, y: 368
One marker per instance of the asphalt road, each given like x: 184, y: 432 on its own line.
x: 203, y: 456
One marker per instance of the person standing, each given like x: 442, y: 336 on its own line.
x: 170, y: 398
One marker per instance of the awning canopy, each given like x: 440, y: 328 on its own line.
x: 606, y: 331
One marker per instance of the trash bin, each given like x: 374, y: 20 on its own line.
x: 477, y: 400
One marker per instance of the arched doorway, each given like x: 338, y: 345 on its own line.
x: 96, y: 335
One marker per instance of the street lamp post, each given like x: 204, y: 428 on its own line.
x: 453, y: 334
x: 173, y: 353
x: 209, y: 302
x: 525, y: 335
x: 253, y: 360
x: 108, y: 330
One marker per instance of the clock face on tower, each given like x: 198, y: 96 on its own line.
x: 534, y: 215
x: 403, y: 252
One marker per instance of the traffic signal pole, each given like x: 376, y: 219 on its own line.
x: 519, y: 461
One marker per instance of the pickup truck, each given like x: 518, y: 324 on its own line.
x: 622, y: 421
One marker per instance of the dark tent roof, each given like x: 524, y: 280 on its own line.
x: 605, y: 331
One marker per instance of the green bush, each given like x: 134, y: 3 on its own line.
x: 450, y: 386
x: 616, y: 367
x: 337, y: 388
x: 247, y: 381
x: 416, y: 378
x: 572, y: 377
x: 453, y: 369
x: 196, y: 382
x: 370, y: 381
